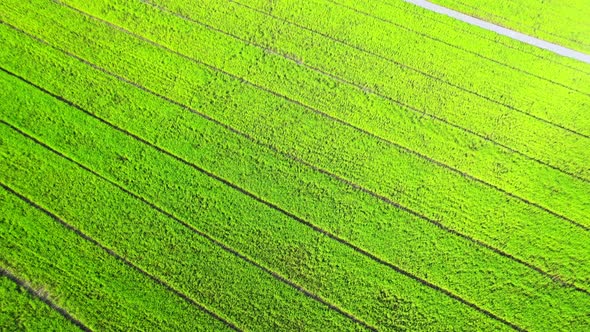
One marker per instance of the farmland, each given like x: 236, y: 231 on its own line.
x: 564, y: 23
x: 254, y: 165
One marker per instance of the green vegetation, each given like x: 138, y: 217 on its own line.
x: 351, y: 154
x: 244, y: 172
x: 389, y: 41
x: 281, y: 243
x: 144, y: 236
x: 22, y: 311
x: 561, y: 22
x: 486, y: 44
x: 93, y: 286
x: 376, y: 114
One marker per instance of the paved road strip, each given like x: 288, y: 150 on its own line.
x: 564, y: 51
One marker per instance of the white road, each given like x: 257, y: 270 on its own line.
x: 503, y: 31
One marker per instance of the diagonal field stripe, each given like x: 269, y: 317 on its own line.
x: 557, y: 49
x: 185, y: 224
x: 298, y: 103
x: 298, y: 219
x: 24, y: 284
x: 118, y: 257
x: 358, y: 187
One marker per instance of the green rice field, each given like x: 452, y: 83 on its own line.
x: 283, y: 165
x: 562, y: 22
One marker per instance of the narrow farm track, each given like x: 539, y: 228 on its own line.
x: 503, y: 18
x: 293, y: 101
x: 176, y: 103
x: 524, y: 38
x: 171, y: 216
x: 249, y: 165
x: 117, y: 256
x: 380, y: 95
x: 271, y: 205
x: 393, y: 61
x: 69, y: 267
x: 376, y: 15
x: 404, y: 107
x: 19, y: 299
x: 493, y: 40
x: 38, y: 295
x: 460, y: 48
x: 438, y: 69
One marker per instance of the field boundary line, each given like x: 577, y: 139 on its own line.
x: 433, y: 18
x: 307, y: 223
x: 515, y: 22
x: 185, y: 224
x: 296, y: 159
x: 509, y: 32
x: 360, y: 12
x: 43, y: 298
x: 399, y: 64
x: 327, y: 116
x: 118, y: 257
x: 365, y: 89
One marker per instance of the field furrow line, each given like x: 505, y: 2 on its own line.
x: 298, y: 103
x: 562, y: 37
x: 152, y: 205
x: 316, y: 228
x: 499, y: 42
x: 287, y: 155
x: 458, y: 48
x: 118, y: 257
x: 366, y: 89
x: 376, y: 55
x: 294, y: 158
x: 45, y: 299
x: 287, y: 213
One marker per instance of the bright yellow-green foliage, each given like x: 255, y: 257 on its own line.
x: 562, y: 22
x: 93, y: 286
x: 255, y: 165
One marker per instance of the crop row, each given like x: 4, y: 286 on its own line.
x: 280, y: 242
x: 27, y: 309
x: 341, y: 151
x: 88, y: 282
x: 385, y: 116
x: 460, y: 150
x: 564, y: 23
x: 507, y: 89
x: 495, y: 124
x: 360, y: 218
x: 160, y: 245
x: 497, y: 48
